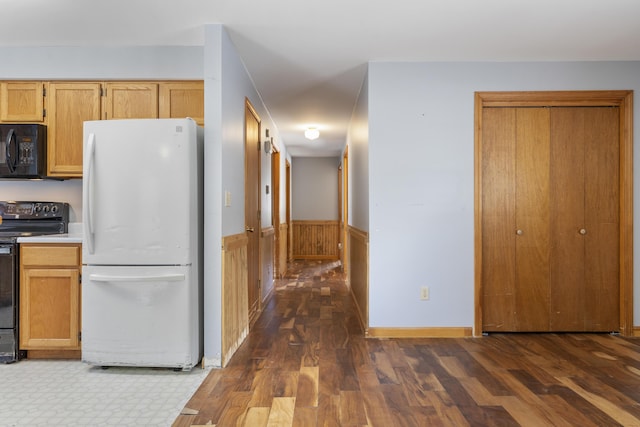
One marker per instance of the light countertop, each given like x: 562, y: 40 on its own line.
x: 74, y: 235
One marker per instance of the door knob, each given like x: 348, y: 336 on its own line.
x: 583, y: 231
x: 519, y: 232
x: 250, y: 229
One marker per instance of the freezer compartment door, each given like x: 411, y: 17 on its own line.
x: 141, y: 316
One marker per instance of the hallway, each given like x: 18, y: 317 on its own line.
x: 306, y: 363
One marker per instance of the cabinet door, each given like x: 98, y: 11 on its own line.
x: 70, y: 104
x: 22, y: 102
x: 182, y: 99
x: 127, y: 100
x: 49, y: 309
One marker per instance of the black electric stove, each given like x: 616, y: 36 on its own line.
x: 19, y: 219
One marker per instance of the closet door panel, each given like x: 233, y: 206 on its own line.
x: 498, y: 227
x: 567, y: 257
x: 532, y: 219
x: 602, y: 201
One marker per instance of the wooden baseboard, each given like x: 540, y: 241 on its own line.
x: 636, y: 331
x: 54, y: 354
x: 452, y: 332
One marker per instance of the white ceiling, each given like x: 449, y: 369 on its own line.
x: 308, y: 57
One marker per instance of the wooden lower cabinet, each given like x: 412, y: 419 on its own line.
x: 50, y: 297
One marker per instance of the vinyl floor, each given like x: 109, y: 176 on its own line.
x: 71, y: 393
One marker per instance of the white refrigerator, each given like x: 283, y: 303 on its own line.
x: 142, y: 243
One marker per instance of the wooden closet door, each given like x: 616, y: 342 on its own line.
x: 567, y: 260
x: 602, y: 219
x: 532, y: 219
x: 585, y: 219
x: 515, y: 206
x: 550, y: 219
x: 498, y: 219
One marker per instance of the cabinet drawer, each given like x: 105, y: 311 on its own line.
x: 43, y: 255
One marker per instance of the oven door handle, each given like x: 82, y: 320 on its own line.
x: 5, y: 250
x: 12, y: 161
x: 87, y: 194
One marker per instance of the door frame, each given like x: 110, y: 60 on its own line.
x: 275, y: 211
x: 254, y: 261
x: 343, y: 189
x: 623, y: 99
x: 287, y: 167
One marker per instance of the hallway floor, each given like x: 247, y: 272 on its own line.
x: 307, y: 363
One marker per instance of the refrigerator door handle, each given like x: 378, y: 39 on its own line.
x: 156, y: 278
x: 87, y: 196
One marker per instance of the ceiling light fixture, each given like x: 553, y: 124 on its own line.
x: 311, y: 133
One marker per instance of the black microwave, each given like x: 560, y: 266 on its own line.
x: 23, y: 151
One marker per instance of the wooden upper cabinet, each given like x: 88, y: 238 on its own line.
x: 182, y: 99
x: 22, y: 101
x: 131, y: 100
x: 70, y: 104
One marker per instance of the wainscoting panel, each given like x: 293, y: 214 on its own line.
x: 235, y: 310
x: 267, y: 249
x: 316, y: 240
x: 359, y: 272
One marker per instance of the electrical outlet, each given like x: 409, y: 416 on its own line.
x: 424, y: 293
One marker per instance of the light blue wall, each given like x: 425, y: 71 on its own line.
x: 358, y: 143
x: 314, y: 182
x: 227, y: 86
x: 421, y: 178
x: 213, y: 65
x: 93, y: 63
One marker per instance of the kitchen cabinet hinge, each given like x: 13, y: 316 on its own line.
x: 79, y: 278
x: 44, y: 112
x: 44, y: 91
x: 102, y: 92
x: 79, y: 336
x: 258, y: 145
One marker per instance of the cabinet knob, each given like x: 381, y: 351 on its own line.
x: 583, y: 231
x: 519, y: 232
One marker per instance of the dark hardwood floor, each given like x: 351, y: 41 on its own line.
x: 307, y: 363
